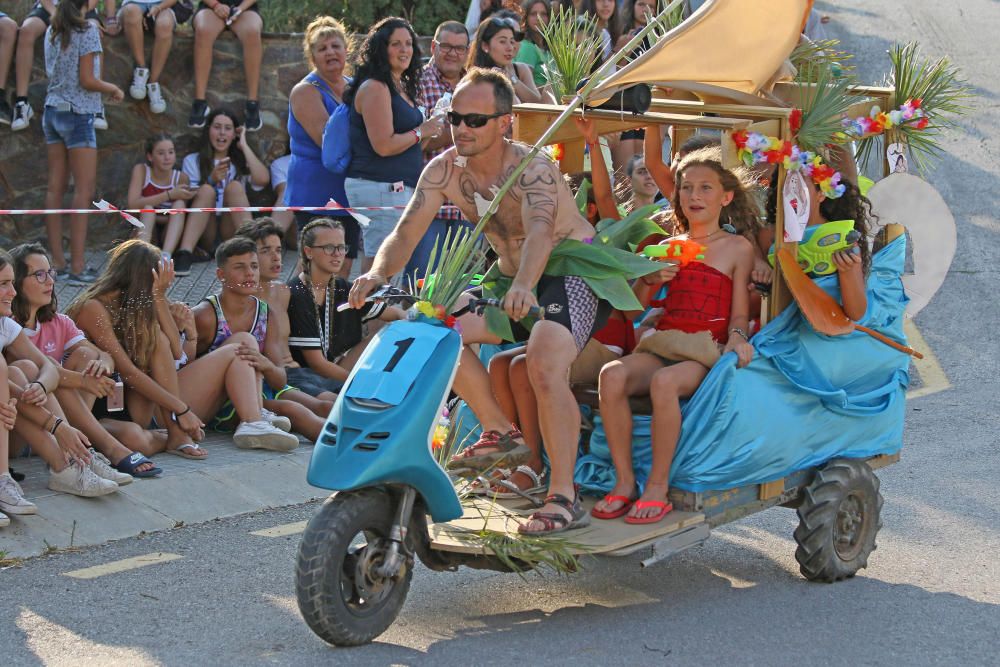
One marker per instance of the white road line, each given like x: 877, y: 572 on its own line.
x: 117, y: 566
x: 931, y: 373
x: 283, y: 530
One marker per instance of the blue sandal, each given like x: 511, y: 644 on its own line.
x: 129, y: 464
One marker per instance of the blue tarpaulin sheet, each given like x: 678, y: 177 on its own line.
x: 804, y: 399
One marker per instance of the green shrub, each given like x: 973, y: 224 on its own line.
x: 294, y: 15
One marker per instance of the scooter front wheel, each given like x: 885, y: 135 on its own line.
x: 342, y: 594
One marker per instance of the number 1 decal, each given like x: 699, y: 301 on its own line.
x: 402, y: 345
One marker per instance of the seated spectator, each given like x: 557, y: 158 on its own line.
x: 279, y: 182
x: 126, y: 314
x: 72, y: 102
x: 325, y: 342
x: 533, y: 51
x: 8, y: 39
x: 159, y: 18
x: 327, y: 44
x: 437, y: 79
x: 219, y: 174
x: 33, y: 27
x: 85, y: 373
x: 387, y: 129
x: 267, y: 235
x: 243, y: 18
x: 32, y: 379
x: 157, y: 183
x: 606, y: 14
x: 494, y: 46
x: 221, y: 319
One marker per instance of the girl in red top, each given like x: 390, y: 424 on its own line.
x: 157, y: 183
x: 710, y: 295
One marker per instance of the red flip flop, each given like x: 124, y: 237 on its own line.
x: 613, y: 514
x: 665, y: 509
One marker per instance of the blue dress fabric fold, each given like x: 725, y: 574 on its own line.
x: 805, y: 398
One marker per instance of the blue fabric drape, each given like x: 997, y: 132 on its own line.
x: 804, y: 399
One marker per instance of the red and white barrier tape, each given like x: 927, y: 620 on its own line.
x: 105, y: 207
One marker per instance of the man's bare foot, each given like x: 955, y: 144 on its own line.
x: 653, y: 493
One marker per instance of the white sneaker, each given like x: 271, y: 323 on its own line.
x: 12, y: 497
x: 78, y: 480
x: 140, y: 75
x: 262, y: 435
x: 156, y: 102
x: 284, y: 423
x: 101, y: 466
x: 23, y: 113
x: 4, y: 520
x: 100, y: 121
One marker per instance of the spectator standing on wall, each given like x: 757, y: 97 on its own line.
x: 33, y: 27
x: 387, y: 128
x: 72, y: 47
x: 160, y: 18
x: 243, y: 19
x: 327, y: 45
x: 8, y: 38
x: 438, y: 79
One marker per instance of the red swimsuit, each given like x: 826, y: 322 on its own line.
x: 699, y: 298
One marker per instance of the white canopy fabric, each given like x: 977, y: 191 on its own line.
x: 727, y: 49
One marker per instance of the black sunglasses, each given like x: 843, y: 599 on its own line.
x: 472, y: 120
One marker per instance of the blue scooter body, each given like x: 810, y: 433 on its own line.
x: 382, y: 424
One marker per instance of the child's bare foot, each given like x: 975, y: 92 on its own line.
x: 623, y: 493
x: 652, y: 503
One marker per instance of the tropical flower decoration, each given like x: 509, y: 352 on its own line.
x: 879, y: 121
x: 755, y: 148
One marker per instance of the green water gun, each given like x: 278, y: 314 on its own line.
x: 815, y: 255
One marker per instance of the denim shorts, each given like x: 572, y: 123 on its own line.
x: 76, y: 130
x: 361, y: 193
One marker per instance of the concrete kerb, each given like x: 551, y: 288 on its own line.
x: 229, y: 483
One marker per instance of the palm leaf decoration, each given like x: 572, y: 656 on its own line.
x: 824, y: 55
x: 666, y: 20
x: 574, y: 44
x: 824, y: 101
x: 944, y: 95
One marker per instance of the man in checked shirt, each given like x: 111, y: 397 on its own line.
x: 449, y: 51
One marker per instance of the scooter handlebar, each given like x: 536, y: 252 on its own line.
x: 536, y: 312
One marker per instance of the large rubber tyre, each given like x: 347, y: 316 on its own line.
x: 341, y: 598
x: 839, y: 517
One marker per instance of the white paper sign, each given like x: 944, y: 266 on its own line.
x: 796, y: 196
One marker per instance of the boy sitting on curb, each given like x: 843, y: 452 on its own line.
x: 235, y: 316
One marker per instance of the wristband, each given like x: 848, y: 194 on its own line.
x: 181, y: 414
x: 741, y: 332
x: 44, y: 390
x: 58, y: 421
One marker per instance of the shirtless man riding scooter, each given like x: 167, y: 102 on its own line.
x: 537, y: 220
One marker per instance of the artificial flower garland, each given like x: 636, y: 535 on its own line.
x: 755, y: 148
x: 438, y: 312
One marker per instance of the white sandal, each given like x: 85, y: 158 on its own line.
x: 537, y: 486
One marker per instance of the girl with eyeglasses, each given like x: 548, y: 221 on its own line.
x: 494, y: 46
x: 85, y: 373
x: 326, y: 342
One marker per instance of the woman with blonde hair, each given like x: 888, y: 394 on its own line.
x: 327, y: 45
x: 126, y: 314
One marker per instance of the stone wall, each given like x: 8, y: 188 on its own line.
x: 23, y: 168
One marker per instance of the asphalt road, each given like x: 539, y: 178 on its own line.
x: 929, y: 596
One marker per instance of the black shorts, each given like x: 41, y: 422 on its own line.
x: 569, y: 301
x: 39, y: 12
x: 352, y: 230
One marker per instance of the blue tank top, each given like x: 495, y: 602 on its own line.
x: 309, y: 183
x: 369, y: 165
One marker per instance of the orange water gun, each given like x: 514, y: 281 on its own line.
x: 678, y: 251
